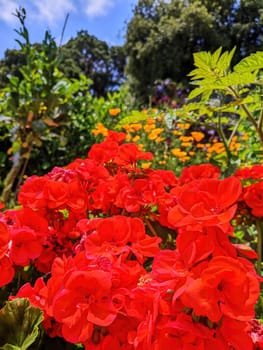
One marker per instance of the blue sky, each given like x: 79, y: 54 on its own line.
x: 103, y: 18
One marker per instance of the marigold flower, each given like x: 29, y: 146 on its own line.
x: 136, y: 138
x: 197, y: 135
x: 159, y: 139
x: 177, y: 152
x: 114, y: 111
x: 100, y: 130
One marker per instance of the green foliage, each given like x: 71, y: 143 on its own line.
x: 103, y: 64
x: 39, y: 105
x: 20, y: 325
x: 163, y: 35
x: 228, y: 99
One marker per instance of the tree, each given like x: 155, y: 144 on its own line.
x: 162, y: 36
x: 84, y: 54
x: 103, y: 64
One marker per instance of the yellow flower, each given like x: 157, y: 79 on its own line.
x: 127, y: 127
x: 185, y: 159
x: 114, y: 111
x: 178, y: 153
x: 200, y: 145
x: 159, y: 139
x: 141, y: 146
x: 197, y: 136
x: 155, y: 133
x: 184, y: 126
x: 186, y: 144
x: 186, y: 138
x: 128, y: 137
x: 136, y: 138
x: 146, y: 165
x: 149, y: 127
x: 177, y: 132
x: 136, y: 126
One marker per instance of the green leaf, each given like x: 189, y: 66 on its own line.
x: 20, y: 325
x: 250, y: 63
x: 135, y: 117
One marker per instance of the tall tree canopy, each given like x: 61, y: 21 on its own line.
x: 102, y: 63
x: 162, y: 36
x: 85, y: 54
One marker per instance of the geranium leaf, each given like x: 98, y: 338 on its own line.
x: 19, y: 325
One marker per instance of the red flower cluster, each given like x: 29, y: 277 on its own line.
x: 94, y: 227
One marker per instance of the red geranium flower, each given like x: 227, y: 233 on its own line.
x: 207, y: 202
x: 225, y: 287
x: 197, y: 172
x: 4, y: 239
x: 7, y: 271
x: 253, y: 197
x: 25, y: 246
x: 84, y: 301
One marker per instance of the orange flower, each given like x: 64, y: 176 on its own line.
x: 178, y: 153
x: 159, y: 139
x: 155, y: 133
x: 100, y: 129
x: 114, y: 111
x: 136, y: 138
x: 197, y: 135
x: 186, y: 138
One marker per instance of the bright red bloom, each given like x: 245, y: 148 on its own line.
x: 56, y: 194
x: 37, y: 294
x: 7, y: 271
x: 225, y: 287
x: 118, y: 235
x: 129, y: 154
x: 183, y: 333
x: 31, y: 192
x: 197, y: 172
x: 4, y: 239
x: 207, y: 202
x: 118, y: 137
x: 253, y: 197
x: 25, y: 246
x: 103, y: 152
x: 84, y: 301
x: 254, y: 172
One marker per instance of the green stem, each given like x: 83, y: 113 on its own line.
x: 250, y: 117
x: 234, y: 131
x: 260, y: 121
x: 259, y: 245
x: 224, y: 139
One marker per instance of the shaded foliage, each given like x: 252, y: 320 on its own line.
x: 162, y: 36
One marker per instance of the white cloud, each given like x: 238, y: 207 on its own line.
x: 96, y: 8
x: 51, y: 11
x: 7, y: 9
